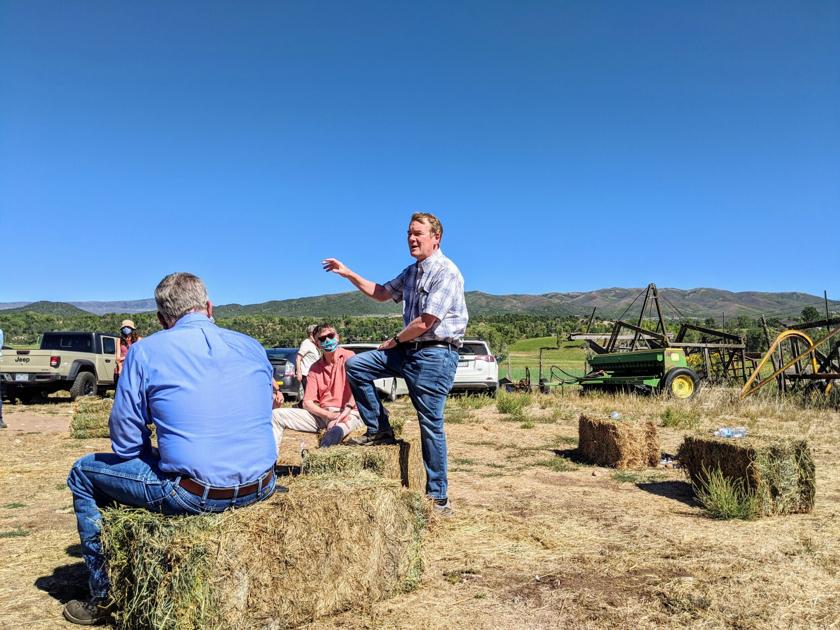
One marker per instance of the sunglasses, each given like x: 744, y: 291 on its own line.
x: 327, y: 336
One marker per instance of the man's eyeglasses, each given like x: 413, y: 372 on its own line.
x: 327, y: 336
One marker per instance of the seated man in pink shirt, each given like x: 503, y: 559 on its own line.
x: 327, y: 402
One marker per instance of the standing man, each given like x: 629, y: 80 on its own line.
x: 208, y: 391
x: 328, y: 402
x: 307, y: 355
x: 2, y: 423
x: 424, y: 352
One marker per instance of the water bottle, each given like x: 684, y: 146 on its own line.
x: 739, y: 432
x: 614, y: 415
x: 724, y: 432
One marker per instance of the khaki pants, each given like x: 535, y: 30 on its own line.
x: 302, y: 420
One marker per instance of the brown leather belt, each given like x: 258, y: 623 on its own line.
x: 429, y: 343
x: 197, y: 488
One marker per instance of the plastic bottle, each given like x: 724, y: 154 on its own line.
x: 614, y: 415
x: 739, y: 432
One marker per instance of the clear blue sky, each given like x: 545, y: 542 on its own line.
x: 565, y: 145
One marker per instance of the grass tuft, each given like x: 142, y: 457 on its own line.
x: 513, y: 404
x: 557, y: 464
x: 680, y: 418
x: 473, y: 401
x: 725, y: 498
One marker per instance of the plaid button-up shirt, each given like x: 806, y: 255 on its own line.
x: 436, y: 287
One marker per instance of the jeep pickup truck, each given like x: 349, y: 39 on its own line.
x: 80, y: 362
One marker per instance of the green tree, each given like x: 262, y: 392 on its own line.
x: 810, y: 314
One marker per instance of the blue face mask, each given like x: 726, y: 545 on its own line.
x: 329, y: 345
x: 126, y: 331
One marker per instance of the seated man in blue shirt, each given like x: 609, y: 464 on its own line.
x: 208, y: 392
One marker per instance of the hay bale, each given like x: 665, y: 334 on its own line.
x: 402, y: 461
x: 90, y: 417
x: 618, y: 443
x: 780, y: 473
x: 328, y: 545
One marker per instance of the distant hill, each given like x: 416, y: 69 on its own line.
x: 610, y: 303
x: 62, y: 309
x: 334, y: 305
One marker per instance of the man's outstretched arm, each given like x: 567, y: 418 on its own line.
x: 369, y: 288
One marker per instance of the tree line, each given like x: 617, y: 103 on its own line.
x: 24, y: 328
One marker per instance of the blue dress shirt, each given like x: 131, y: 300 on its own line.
x: 208, y: 392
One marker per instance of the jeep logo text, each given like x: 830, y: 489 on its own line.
x: 22, y: 360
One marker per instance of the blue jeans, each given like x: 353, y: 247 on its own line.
x: 429, y: 374
x: 102, y: 479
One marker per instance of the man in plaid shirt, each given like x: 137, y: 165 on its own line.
x: 424, y: 352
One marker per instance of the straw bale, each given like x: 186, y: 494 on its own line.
x: 402, y: 461
x: 328, y: 545
x: 90, y: 417
x: 780, y: 472
x: 618, y: 444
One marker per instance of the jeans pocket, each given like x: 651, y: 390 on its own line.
x: 434, y: 374
x: 182, y: 501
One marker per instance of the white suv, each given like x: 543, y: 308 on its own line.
x: 389, y: 387
x: 477, y: 368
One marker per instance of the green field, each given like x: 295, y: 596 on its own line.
x: 526, y: 353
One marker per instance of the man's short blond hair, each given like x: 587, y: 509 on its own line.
x: 429, y: 219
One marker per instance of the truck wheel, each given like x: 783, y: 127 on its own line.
x: 392, y: 395
x: 84, y: 385
x: 681, y: 383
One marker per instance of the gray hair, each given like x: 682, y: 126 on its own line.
x: 180, y: 293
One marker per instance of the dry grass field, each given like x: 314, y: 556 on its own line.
x: 538, y: 539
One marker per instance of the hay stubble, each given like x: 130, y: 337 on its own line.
x: 608, y: 553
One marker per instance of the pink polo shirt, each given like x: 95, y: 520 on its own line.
x: 327, y: 384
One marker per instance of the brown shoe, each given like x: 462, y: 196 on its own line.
x: 87, y: 613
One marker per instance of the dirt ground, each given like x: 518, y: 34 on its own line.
x: 538, y: 539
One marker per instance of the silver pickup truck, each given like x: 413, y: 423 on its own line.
x: 79, y: 362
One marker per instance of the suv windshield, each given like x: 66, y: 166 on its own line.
x: 76, y: 342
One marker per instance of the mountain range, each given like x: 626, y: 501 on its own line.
x: 610, y: 303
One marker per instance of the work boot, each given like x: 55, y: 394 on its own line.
x: 375, y: 439
x: 91, y: 612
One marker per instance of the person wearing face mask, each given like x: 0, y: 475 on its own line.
x: 328, y: 403
x: 128, y: 337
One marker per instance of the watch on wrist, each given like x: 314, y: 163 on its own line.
x: 396, y: 339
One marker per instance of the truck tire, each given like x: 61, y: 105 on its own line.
x: 84, y: 385
x: 681, y: 383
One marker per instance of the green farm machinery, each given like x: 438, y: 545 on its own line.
x: 655, y: 370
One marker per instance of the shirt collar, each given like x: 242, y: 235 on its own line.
x: 193, y: 318
x: 426, y: 264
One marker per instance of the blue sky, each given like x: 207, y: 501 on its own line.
x: 565, y: 145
